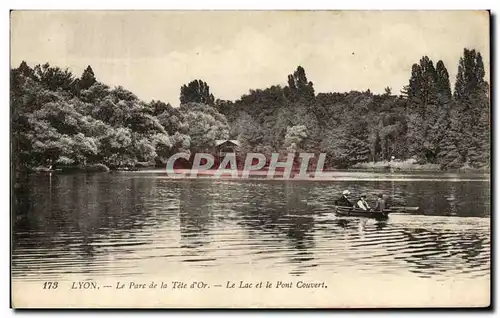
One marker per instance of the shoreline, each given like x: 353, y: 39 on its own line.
x: 262, y: 172
x: 387, y: 167
x: 351, y: 174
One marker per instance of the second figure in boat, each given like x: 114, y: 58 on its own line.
x: 362, y: 204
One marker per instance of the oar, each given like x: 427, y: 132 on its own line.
x: 405, y: 208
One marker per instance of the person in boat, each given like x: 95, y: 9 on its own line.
x: 362, y: 204
x: 387, y: 201
x: 343, y: 200
x: 381, y: 203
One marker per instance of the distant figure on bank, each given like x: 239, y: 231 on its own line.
x: 362, y: 204
x: 381, y: 205
x: 343, y: 200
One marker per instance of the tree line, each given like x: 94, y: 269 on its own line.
x: 425, y: 122
x: 61, y: 119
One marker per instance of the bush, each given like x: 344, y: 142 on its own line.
x: 99, y: 167
x: 144, y: 164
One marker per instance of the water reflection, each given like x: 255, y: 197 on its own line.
x: 132, y: 224
x: 429, y: 252
x: 195, y: 214
x: 80, y: 217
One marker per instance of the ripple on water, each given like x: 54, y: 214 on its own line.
x: 284, y: 227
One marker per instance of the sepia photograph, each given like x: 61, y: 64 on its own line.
x: 250, y: 159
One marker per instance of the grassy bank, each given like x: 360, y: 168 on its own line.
x: 407, y: 165
x: 99, y: 167
x: 412, y: 165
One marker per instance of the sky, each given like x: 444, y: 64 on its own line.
x: 154, y: 53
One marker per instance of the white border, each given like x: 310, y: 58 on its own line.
x: 255, y: 4
x: 200, y: 5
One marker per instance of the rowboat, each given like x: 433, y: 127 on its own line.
x: 351, y: 211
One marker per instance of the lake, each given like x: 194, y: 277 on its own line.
x: 144, y: 224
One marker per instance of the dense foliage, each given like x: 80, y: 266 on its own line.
x: 60, y: 119
x: 426, y: 122
x: 197, y: 91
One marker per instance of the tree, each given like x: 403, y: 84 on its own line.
x: 95, y: 93
x: 197, y: 91
x: 422, y: 88
x: 299, y: 89
x: 388, y: 90
x: 347, y: 145
x: 88, y: 78
x: 54, y: 78
x: 162, y: 145
x: 204, y: 125
x: 377, y: 147
x: 25, y: 70
x: 248, y: 131
x: 452, y: 153
x: 423, y: 104
x: 442, y: 83
x: 472, y: 104
x: 470, y: 75
x: 159, y: 107
x: 294, y: 138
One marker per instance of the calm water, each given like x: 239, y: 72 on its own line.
x: 134, y: 224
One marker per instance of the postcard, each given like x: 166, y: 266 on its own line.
x: 250, y: 159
